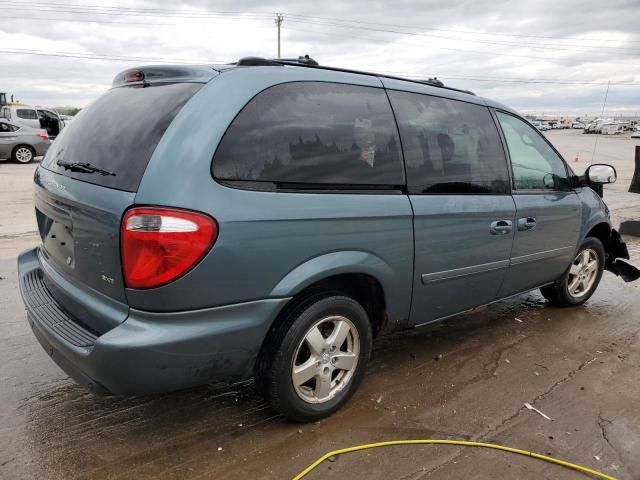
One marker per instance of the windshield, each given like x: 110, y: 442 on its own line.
x: 118, y: 134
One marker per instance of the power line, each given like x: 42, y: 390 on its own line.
x: 604, y: 103
x: 122, y: 11
x: 49, y: 19
x: 95, y: 56
x: 117, y: 10
x: 468, y: 32
x: 88, y: 56
x: 492, y: 53
x: 417, y: 34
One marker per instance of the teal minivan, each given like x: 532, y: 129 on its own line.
x: 269, y: 218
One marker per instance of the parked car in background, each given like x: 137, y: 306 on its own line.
x: 309, y: 214
x: 611, y: 128
x: 578, y: 125
x: 594, y: 127
x: 34, y: 117
x: 543, y: 127
x: 21, y: 143
x: 66, y: 119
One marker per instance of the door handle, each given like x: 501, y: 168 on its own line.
x: 526, y: 223
x: 501, y: 227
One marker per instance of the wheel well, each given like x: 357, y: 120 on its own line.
x: 363, y: 288
x: 23, y: 145
x: 602, y: 232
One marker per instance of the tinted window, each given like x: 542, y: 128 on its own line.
x: 26, y: 114
x: 45, y: 114
x: 313, y: 133
x: 5, y: 127
x: 118, y: 133
x: 449, y: 146
x: 535, y: 165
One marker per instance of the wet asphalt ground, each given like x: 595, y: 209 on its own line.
x: 466, y: 378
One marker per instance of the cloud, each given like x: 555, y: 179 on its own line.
x: 573, y: 41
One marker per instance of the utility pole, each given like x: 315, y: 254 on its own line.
x: 279, y: 19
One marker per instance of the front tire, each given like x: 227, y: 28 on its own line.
x: 23, y: 154
x: 321, y: 353
x: 582, y: 277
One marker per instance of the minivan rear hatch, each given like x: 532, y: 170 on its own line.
x: 90, y: 176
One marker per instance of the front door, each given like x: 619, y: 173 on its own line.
x: 548, y: 211
x: 458, y: 183
x: 7, y: 139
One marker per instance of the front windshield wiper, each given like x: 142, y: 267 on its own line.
x: 84, y: 168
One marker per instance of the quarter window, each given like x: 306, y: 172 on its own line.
x: 26, y: 114
x: 536, y: 166
x: 450, y: 147
x: 5, y: 128
x: 312, y: 134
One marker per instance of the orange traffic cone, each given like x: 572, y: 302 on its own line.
x: 577, y: 159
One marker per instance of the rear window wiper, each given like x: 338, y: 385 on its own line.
x: 84, y: 168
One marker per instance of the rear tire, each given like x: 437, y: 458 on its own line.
x: 318, y: 358
x: 23, y: 154
x: 582, y: 277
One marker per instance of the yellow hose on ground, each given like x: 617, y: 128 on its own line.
x: 463, y: 443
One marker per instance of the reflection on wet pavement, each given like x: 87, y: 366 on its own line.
x: 465, y: 378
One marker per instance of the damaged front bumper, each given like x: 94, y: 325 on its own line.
x: 616, y: 250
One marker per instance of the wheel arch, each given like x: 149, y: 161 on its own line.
x: 340, y: 268
x: 362, y: 287
x: 358, y: 274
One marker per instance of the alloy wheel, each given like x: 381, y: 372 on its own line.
x: 583, y: 273
x: 24, y: 155
x: 326, y: 359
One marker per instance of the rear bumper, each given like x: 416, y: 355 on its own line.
x: 42, y: 147
x: 148, y: 352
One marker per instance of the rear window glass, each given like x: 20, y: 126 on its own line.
x: 118, y: 134
x: 5, y: 127
x: 26, y: 114
x: 313, y: 133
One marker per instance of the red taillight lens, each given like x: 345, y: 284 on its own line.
x: 134, y: 76
x: 43, y: 136
x: 161, y: 244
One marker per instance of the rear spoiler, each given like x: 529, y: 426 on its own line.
x: 146, y: 75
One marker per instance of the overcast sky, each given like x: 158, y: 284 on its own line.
x: 570, y: 49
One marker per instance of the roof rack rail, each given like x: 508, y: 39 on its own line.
x: 307, y: 61
x: 302, y: 59
x: 260, y: 61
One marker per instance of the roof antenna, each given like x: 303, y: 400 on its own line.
x: 595, y: 145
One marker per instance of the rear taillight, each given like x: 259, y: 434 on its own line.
x: 43, y: 135
x: 161, y: 244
